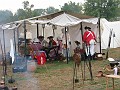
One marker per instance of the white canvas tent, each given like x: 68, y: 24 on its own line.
x: 73, y: 23
x: 115, y: 38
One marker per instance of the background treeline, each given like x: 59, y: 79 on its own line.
x: 109, y: 9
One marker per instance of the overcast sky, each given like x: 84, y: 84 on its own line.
x: 13, y: 5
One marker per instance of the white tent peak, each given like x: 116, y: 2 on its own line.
x: 65, y: 20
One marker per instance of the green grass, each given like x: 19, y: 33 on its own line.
x: 53, y: 66
x: 59, y: 75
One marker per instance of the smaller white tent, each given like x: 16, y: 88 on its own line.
x: 115, y: 38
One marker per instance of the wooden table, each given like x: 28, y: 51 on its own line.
x: 111, y: 76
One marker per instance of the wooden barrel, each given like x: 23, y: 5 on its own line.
x: 31, y: 66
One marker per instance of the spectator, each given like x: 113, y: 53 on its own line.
x: 51, y: 42
x: 43, y: 42
x: 60, y: 44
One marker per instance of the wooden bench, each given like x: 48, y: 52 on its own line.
x: 113, y: 77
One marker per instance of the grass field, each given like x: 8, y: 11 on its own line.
x: 59, y: 76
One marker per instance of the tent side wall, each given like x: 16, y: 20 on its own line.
x: 115, y: 38
x: 75, y: 34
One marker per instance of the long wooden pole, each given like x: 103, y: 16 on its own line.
x: 66, y: 43
x: 99, y: 33
x: 37, y: 29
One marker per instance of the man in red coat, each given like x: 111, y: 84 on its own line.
x: 89, y: 39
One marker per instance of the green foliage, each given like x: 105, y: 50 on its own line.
x: 5, y: 16
x: 38, y: 12
x: 72, y: 7
x: 104, y: 8
x: 109, y: 9
x: 27, y: 12
x: 50, y: 10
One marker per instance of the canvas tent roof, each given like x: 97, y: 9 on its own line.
x: 38, y: 21
x: 65, y: 20
x: 50, y: 16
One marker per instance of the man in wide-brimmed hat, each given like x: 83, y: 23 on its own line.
x: 51, y: 41
x: 89, y: 39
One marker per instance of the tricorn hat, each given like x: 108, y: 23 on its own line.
x: 86, y: 27
x: 89, y: 28
x: 77, y: 42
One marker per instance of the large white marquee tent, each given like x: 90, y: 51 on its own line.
x: 61, y: 20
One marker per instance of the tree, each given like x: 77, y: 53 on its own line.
x: 27, y: 12
x: 50, y: 10
x: 28, y: 9
x: 5, y: 16
x: 72, y: 7
x: 104, y: 8
x: 38, y: 12
x: 21, y: 14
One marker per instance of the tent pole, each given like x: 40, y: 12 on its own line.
x: 82, y: 47
x: 4, y: 60
x: 99, y: 33
x: 43, y: 26
x: 37, y: 29
x: 53, y: 33
x: 81, y: 30
x: 66, y: 44
x: 25, y: 36
x: 14, y: 40
x: 18, y: 38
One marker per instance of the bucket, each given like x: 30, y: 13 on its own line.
x: 31, y: 66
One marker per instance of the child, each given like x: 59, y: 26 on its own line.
x: 77, y: 54
x: 77, y: 49
x: 115, y: 69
